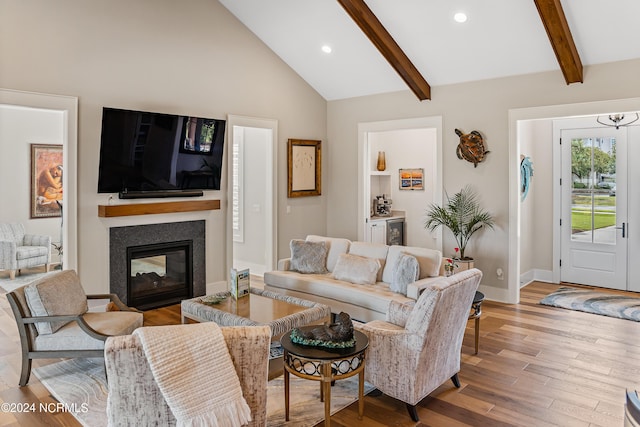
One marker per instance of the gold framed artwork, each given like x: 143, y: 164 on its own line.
x: 46, y: 180
x: 304, y: 176
x: 411, y: 179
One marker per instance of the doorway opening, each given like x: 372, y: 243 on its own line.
x: 534, y: 223
x: 408, y: 144
x: 63, y: 110
x: 252, y: 210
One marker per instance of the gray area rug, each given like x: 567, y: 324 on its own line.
x: 80, y: 384
x: 8, y: 285
x: 605, y: 304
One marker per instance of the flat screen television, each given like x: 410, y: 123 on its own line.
x: 145, y: 154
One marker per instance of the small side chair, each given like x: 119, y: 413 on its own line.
x: 54, y: 322
x: 20, y: 250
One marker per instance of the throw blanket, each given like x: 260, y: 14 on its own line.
x: 194, y: 371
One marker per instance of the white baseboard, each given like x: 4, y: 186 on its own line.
x: 494, y: 294
x: 254, y: 269
x: 536, y: 275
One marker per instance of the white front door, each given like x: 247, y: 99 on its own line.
x: 594, y: 225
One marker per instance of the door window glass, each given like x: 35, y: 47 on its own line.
x: 593, y: 194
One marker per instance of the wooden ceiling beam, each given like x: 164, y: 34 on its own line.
x: 555, y: 23
x: 380, y: 37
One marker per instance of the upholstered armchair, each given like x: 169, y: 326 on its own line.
x: 20, y: 250
x: 136, y: 399
x: 54, y: 321
x: 418, y: 348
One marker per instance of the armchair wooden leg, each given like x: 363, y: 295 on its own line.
x: 26, y: 371
x: 413, y: 413
x: 12, y: 274
x: 456, y: 380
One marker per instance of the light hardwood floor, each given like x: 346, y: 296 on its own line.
x: 537, y: 366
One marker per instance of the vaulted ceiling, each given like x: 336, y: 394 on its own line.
x: 427, y: 47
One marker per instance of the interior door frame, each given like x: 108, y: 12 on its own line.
x: 270, y: 211
x: 68, y: 105
x: 512, y: 293
x: 431, y: 122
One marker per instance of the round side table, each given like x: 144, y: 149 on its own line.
x: 325, y: 365
x: 476, y: 312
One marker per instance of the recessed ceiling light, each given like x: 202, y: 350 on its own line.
x: 326, y: 48
x: 460, y: 17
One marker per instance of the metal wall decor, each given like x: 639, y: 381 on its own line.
x: 471, y: 147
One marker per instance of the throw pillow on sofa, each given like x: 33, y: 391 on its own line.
x: 406, y: 270
x: 371, y: 250
x: 356, y: 269
x: 308, y: 257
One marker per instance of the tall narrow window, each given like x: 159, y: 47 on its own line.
x: 593, y: 207
x: 237, y: 186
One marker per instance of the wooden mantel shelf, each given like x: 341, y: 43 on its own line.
x: 108, y: 211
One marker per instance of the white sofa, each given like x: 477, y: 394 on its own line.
x: 363, y: 302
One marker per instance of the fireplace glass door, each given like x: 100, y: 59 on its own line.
x: 159, y: 274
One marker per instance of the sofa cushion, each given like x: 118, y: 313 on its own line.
x: 428, y: 259
x: 356, y: 269
x: 308, y: 257
x: 375, y: 298
x: 371, y: 250
x: 71, y: 337
x: 26, y: 252
x: 335, y: 245
x: 56, y: 295
x: 405, y: 271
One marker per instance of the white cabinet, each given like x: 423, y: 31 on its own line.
x: 377, y: 231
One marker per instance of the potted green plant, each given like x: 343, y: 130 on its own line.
x: 462, y: 215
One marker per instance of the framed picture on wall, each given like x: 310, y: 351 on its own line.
x: 411, y: 179
x: 304, y: 162
x: 46, y: 180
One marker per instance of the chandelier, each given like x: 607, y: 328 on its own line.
x: 618, y: 120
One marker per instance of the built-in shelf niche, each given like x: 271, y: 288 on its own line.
x: 380, y: 184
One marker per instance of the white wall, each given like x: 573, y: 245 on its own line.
x: 484, y: 106
x: 541, y: 194
x: 536, y: 239
x: 190, y: 58
x: 17, y: 133
x: 408, y: 149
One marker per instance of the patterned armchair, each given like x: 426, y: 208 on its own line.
x: 135, y: 397
x: 53, y: 320
x: 418, y: 348
x: 20, y: 250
